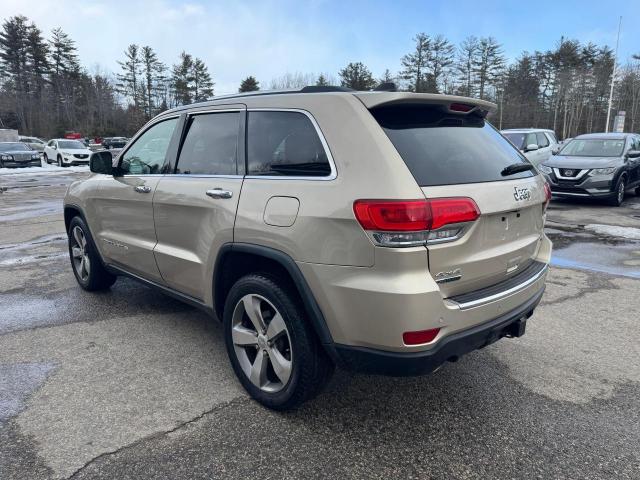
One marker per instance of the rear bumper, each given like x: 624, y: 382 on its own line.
x: 449, y: 348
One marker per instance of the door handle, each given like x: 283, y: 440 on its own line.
x: 219, y: 193
x: 142, y: 189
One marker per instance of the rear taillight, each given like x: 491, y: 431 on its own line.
x: 406, y: 223
x: 547, y: 196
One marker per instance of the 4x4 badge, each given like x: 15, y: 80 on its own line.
x: 521, y: 194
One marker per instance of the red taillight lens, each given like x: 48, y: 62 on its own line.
x: 460, y: 107
x: 420, y: 337
x: 445, y: 211
x: 414, y: 215
x: 394, y: 216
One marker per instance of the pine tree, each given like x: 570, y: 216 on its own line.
x: 129, y: 81
x: 415, y: 66
x: 182, y: 80
x: 322, y: 81
x: 202, y: 82
x: 64, y: 57
x: 249, y: 84
x: 488, y: 63
x: 357, y: 76
x: 152, y: 71
x: 441, y: 56
x: 467, y: 53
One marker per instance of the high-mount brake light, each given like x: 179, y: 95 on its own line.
x: 461, y: 107
x: 408, y: 223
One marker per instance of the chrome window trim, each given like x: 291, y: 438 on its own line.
x: 498, y: 296
x: 327, y: 151
x: 577, y: 177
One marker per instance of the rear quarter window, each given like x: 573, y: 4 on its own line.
x: 441, y: 148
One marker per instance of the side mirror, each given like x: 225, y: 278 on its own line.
x: 555, y: 150
x: 633, y: 154
x: 101, y: 162
x: 531, y: 147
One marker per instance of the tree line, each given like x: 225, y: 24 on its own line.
x: 45, y: 91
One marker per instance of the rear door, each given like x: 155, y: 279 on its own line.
x: 195, y: 204
x: 457, y: 155
x: 544, y: 147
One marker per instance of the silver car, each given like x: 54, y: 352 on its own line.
x: 537, y: 145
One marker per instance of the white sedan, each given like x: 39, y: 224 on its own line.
x: 65, y: 152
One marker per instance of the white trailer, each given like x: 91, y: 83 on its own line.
x: 8, y: 135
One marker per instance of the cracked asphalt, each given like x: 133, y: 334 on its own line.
x: 130, y: 383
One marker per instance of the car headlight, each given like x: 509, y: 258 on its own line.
x: 6, y: 157
x: 35, y: 156
x: 545, y: 169
x: 603, y: 171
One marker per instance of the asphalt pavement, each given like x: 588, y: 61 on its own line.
x: 130, y: 383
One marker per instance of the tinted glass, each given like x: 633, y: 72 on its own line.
x: 444, y: 149
x: 530, y: 140
x: 284, y: 143
x: 147, y: 154
x: 612, y: 147
x: 516, y: 138
x: 211, y: 145
x: 14, y: 147
x: 543, y: 141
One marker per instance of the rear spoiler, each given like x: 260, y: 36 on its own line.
x: 453, y: 103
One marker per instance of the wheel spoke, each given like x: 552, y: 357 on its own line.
x: 87, y: 264
x: 81, y: 268
x: 252, y: 307
x: 258, y: 374
x: 77, y: 234
x: 243, y: 336
x: 281, y: 366
x: 276, y: 327
x: 76, y: 252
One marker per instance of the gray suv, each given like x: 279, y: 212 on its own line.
x: 383, y: 232
x: 596, y: 165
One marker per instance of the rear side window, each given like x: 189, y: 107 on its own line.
x: 211, y: 145
x: 284, y: 144
x: 441, y: 148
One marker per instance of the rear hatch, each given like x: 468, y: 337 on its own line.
x: 452, y: 151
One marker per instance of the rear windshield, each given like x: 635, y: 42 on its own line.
x: 442, y: 148
x: 612, y: 147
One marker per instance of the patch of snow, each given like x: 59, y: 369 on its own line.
x: 630, y: 233
x: 45, y: 168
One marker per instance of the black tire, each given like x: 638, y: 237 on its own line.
x: 311, y: 368
x: 618, y: 197
x: 60, y: 164
x: 46, y: 159
x: 97, y: 277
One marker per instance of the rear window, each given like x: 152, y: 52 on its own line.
x: 441, y: 148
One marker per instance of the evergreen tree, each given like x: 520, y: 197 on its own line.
x: 64, y: 57
x: 129, y: 81
x: 322, y: 81
x: 357, y: 76
x: 182, y: 80
x: 488, y: 64
x: 152, y: 71
x: 441, y: 56
x: 249, y: 84
x: 415, y: 66
x: 467, y: 53
x: 202, y: 82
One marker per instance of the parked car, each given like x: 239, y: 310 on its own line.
x: 114, y: 142
x: 382, y: 232
x: 34, y: 142
x: 66, y: 152
x: 18, y: 154
x: 535, y: 144
x: 598, y: 165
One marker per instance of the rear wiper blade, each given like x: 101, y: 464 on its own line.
x: 516, y: 168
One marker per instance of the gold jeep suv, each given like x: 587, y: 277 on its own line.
x: 384, y: 232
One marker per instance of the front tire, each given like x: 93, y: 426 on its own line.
x: 46, y: 159
x: 273, y: 351
x: 60, y: 164
x: 85, y: 260
x: 621, y: 188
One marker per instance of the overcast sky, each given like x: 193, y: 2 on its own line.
x: 268, y: 38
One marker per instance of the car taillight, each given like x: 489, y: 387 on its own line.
x: 547, y: 196
x: 406, y: 223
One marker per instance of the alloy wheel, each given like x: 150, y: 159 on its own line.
x: 262, y: 343
x: 79, y: 254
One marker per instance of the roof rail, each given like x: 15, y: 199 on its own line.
x: 386, y: 87
x: 324, y: 88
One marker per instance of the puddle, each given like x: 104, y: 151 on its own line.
x: 30, y: 210
x: 17, y: 382
x: 583, y: 251
x: 16, y: 254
